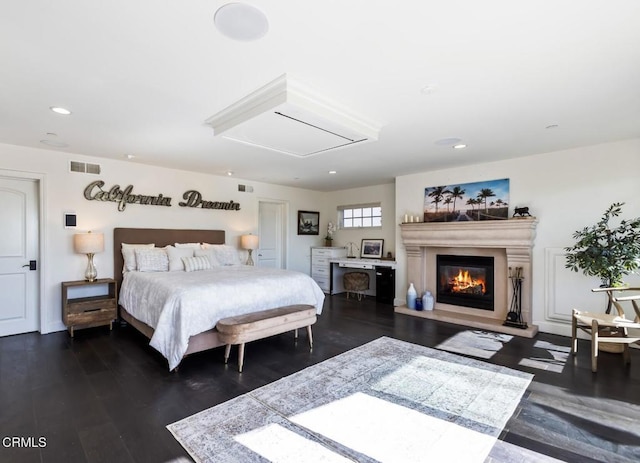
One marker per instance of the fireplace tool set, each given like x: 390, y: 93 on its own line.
x: 514, y: 316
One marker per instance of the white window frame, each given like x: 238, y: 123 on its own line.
x: 364, y: 215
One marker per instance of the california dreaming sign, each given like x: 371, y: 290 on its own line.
x: 467, y: 201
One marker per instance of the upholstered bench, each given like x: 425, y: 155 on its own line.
x: 259, y: 325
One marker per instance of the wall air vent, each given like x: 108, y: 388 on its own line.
x: 287, y: 117
x: 84, y: 167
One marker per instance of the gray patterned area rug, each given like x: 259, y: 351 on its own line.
x: 385, y: 401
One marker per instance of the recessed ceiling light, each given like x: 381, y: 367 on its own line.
x: 459, y: 146
x: 240, y: 21
x: 428, y: 89
x: 333, y: 171
x: 54, y: 143
x: 229, y: 173
x: 448, y: 141
x: 59, y: 110
x: 129, y: 156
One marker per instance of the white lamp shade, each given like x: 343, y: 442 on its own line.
x: 88, y: 243
x: 249, y: 241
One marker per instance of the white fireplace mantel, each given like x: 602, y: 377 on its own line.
x: 512, y: 238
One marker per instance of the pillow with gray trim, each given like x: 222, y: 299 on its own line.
x: 152, y: 260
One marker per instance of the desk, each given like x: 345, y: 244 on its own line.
x: 381, y: 273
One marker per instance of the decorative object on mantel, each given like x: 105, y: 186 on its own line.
x: 331, y: 229
x: 467, y: 201
x: 89, y: 244
x: 514, y: 316
x: 411, y: 219
x: 250, y: 243
x: 606, y: 252
x: 519, y: 212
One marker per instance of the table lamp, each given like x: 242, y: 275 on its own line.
x: 89, y: 243
x: 249, y: 242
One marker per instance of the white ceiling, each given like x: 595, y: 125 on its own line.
x: 142, y: 76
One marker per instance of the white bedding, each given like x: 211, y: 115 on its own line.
x: 181, y: 304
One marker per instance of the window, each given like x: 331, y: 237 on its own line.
x: 360, y: 216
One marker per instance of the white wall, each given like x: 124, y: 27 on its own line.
x: 63, y: 191
x: 384, y: 194
x: 566, y: 191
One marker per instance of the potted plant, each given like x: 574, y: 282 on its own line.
x: 331, y: 229
x: 607, y: 252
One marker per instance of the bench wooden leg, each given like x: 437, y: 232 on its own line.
x: 295, y: 334
x: 594, y: 346
x: 240, y: 357
x: 574, y: 332
x: 626, y: 356
x: 310, y: 337
x: 227, y: 351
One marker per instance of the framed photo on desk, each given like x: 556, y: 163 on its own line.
x: 371, y: 249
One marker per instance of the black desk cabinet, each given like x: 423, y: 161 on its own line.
x: 385, y: 285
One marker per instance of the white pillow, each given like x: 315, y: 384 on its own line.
x: 225, y: 254
x: 152, y: 260
x: 129, y: 256
x: 209, y: 254
x: 192, y: 264
x: 187, y: 245
x: 176, y: 255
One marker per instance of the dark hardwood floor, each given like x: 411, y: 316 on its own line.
x: 107, y: 397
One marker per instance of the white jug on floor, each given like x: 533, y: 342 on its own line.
x: 427, y: 301
x: 412, y: 294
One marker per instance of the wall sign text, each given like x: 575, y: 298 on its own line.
x: 192, y: 198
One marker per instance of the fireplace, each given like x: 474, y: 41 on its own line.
x: 465, y: 281
x: 508, y: 243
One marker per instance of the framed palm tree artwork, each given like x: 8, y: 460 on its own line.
x: 488, y: 200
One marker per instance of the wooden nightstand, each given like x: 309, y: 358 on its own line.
x: 86, y: 312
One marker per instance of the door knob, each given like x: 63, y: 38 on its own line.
x: 32, y: 265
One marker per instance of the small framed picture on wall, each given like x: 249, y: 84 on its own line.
x: 308, y: 223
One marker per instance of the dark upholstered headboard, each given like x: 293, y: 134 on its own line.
x: 161, y: 237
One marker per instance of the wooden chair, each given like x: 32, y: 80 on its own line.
x: 612, y: 328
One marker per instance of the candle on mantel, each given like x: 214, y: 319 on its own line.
x: 406, y: 218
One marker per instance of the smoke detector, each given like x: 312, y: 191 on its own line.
x: 288, y: 117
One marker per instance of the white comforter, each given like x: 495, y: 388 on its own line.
x: 181, y: 304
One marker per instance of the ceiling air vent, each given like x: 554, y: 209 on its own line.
x: 84, y: 167
x: 287, y: 117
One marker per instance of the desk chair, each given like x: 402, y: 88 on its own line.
x: 612, y: 328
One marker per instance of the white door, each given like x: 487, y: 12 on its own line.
x: 271, y: 228
x: 18, y: 246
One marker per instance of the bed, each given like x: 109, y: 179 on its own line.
x: 178, y: 311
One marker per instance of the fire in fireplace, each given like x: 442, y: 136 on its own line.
x: 465, y: 281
